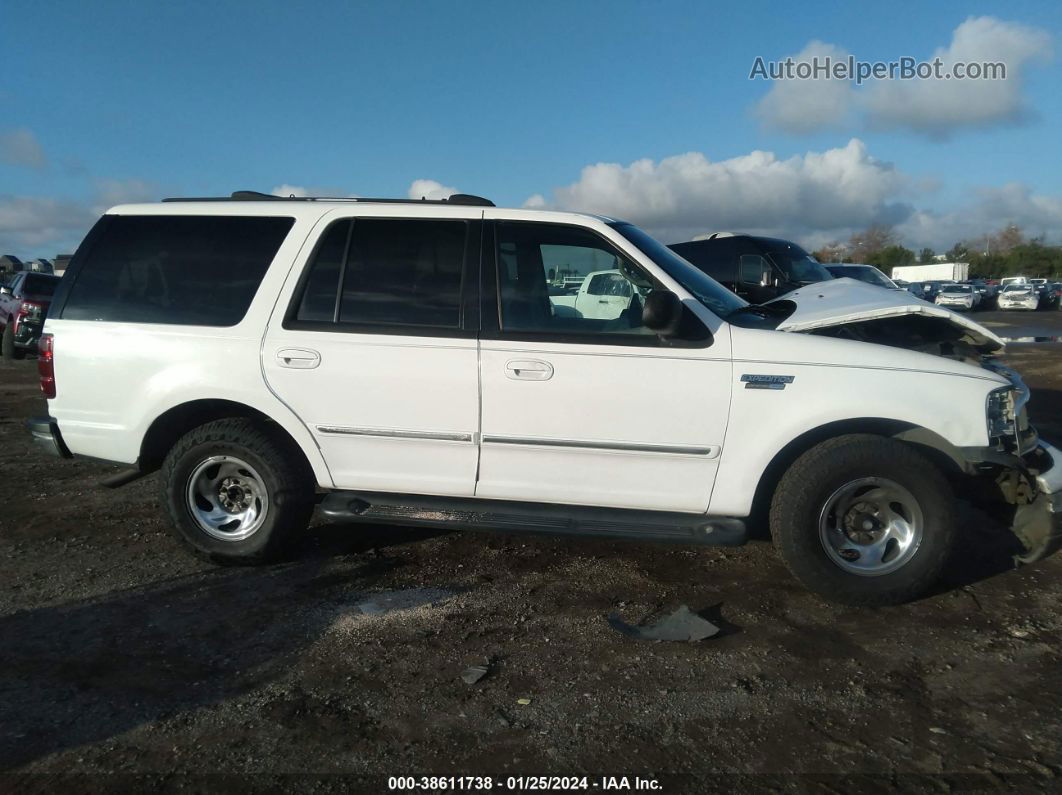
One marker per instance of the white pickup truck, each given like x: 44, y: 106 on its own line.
x: 393, y: 361
x: 602, y: 295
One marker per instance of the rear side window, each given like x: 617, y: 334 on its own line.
x: 385, y: 272
x: 184, y: 270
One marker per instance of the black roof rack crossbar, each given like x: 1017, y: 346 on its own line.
x: 466, y: 199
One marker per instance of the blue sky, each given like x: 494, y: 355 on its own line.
x: 134, y: 100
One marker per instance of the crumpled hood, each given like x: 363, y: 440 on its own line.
x: 843, y: 301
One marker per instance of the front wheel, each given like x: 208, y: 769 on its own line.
x: 864, y: 520
x: 237, y: 491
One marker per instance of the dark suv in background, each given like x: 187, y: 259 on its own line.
x: 756, y: 268
x: 24, y: 301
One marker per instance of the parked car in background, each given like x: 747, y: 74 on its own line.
x: 1054, y: 296
x: 958, y: 296
x: 864, y: 273
x: 606, y: 295
x: 927, y: 291
x: 24, y: 302
x: 1019, y: 296
x: 989, y: 292
x: 756, y: 268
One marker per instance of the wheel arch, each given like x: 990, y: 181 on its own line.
x: 932, y: 445
x: 162, y: 434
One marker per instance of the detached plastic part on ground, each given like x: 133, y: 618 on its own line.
x: 682, y: 625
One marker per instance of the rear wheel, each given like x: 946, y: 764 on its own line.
x: 237, y: 491
x: 864, y: 520
x: 7, y: 344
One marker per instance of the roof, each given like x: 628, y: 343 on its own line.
x: 253, y: 203
x: 465, y: 199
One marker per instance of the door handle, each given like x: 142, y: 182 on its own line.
x: 298, y: 358
x: 528, y: 370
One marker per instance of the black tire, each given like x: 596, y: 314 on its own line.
x: 285, y: 480
x: 7, y: 344
x: 808, y: 487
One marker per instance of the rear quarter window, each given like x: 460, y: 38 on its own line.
x: 184, y: 270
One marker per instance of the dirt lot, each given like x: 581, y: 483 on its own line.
x: 122, y: 654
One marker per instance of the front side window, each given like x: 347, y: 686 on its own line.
x: 703, y: 287
x: 181, y: 269
x: 752, y: 267
x: 385, y: 272
x: 566, y: 280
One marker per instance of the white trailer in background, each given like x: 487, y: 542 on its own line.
x: 933, y: 272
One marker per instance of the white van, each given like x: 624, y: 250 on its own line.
x: 398, y: 361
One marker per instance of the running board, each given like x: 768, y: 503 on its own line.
x: 473, y: 514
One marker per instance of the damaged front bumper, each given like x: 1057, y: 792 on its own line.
x: 1032, y: 484
x: 1049, y: 481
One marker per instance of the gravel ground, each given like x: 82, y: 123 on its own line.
x: 125, y: 663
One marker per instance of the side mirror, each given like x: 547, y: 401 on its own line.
x: 662, y: 312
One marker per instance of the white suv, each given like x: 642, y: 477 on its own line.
x: 406, y: 362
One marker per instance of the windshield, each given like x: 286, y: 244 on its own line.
x: 702, y: 286
x: 864, y: 273
x: 1017, y: 288
x: 795, y: 262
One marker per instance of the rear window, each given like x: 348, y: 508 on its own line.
x: 185, y: 270
x: 43, y: 286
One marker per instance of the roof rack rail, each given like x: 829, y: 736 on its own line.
x: 466, y: 199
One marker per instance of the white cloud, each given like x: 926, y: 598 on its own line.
x: 802, y: 106
x: 989, y: 211
x: 688, y: 194
x: 937, y: 106
x: 286, y: 191
x: 34, y: 227
x: 934, y: 106
x: 299, y: 191
x: 21, y: 148
x: 430, y: 189
x: 111, y: 192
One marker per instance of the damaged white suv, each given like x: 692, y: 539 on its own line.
x: 425, y: 363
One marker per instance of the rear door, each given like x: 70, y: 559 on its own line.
x: 374, y: 347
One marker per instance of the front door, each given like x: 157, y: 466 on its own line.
x: 591, y: 408
x: 376, y: 353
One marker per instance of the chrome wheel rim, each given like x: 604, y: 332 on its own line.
x: 871, y: 526
x: 227, y: 498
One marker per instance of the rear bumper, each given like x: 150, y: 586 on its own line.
x: 46, y: 435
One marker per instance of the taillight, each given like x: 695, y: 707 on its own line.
x: 46, y: 364
x: 30, y: 310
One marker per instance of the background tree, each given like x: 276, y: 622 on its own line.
x: 891, y: 257
x: 926, y: 255
x: 832, y: 252
x: 958, y: 253
x: 864, y: 245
